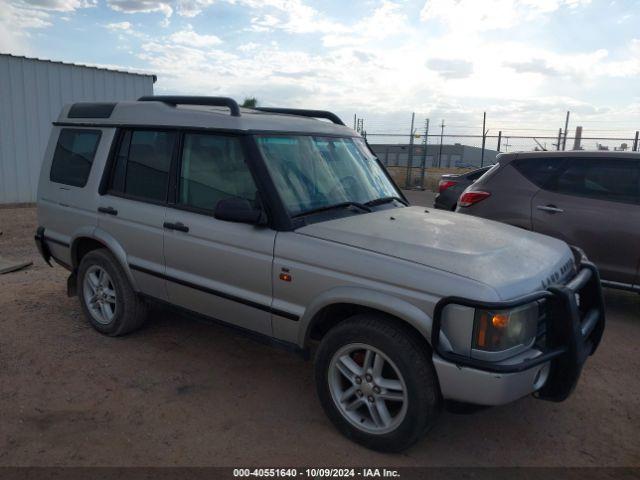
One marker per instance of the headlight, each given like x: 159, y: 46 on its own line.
x: 498, y: 330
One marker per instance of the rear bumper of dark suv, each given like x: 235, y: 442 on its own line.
x: 570, y: 329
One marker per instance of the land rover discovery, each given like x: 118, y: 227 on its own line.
x: 283, y: 223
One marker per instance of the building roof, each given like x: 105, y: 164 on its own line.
x: 57, y: 62
x: 570, y: 153
x: 430, y: 145
x: 160, y: 114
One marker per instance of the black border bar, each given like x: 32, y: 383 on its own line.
x: 174, y: 100
x: 217, y: 293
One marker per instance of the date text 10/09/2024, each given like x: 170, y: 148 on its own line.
x: 316, y: 472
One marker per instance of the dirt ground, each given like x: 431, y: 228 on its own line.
x: 183, y: 392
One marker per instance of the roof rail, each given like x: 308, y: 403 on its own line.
x: 174, y: 100
x: 303, y: 113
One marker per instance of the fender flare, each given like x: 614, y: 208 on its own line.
x: 364, y: 297
x: 110, y: 243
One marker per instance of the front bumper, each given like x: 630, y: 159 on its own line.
x: 572, y: 327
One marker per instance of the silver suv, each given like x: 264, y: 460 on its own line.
x: 282, y: 223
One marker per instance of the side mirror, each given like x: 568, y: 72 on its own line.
x: 239, y: 210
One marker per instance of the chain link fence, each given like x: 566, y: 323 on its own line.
x: 418, y: 161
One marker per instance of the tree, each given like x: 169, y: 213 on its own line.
x: 250, y: 102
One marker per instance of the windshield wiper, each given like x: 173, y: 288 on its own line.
x: 361, y: 206
x: 380, y: 201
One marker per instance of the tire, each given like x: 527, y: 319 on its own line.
x: 128, y: 310
x: 407, y: 371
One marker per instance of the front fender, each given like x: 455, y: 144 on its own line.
x: 110, y: 243
x: 366, y: 298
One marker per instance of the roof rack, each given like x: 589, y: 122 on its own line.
x: 174, y: 100
x: 303, y: 113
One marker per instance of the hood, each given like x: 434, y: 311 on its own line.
x: 511, y: 260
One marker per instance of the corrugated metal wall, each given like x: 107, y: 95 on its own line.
x: 32, y: 92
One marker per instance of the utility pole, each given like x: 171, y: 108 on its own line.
x: 484, y: 137
x: 559, y: 144
x: 424, y: 154
x: 442, y: 125
x: 635, y: 142
x: 578, y: 139
x: 499, y: 139
x: 407, y: 182
x: 566, y: 130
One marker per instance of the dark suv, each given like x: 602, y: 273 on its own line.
x: 587, y: 199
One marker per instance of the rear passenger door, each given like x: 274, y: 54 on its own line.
x: 593, y: 203
x: 134, y: 206
x: 214, y: 267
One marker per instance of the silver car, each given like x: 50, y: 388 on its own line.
x: 282, y: 223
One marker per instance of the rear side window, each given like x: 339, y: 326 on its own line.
x: 142, y: 164
x: 213, y: 168
x: 540, y: 171
x: 612, y: 179
x: 73, y: 156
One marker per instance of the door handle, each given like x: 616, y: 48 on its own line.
x: 181, y: 227
x: 550, y: 208
x: 108, y: 210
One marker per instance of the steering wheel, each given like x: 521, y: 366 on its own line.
x: 348, y: 184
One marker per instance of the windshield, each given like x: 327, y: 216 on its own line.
x: 313, y: 172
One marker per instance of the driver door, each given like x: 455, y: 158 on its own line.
x: 217, y: 268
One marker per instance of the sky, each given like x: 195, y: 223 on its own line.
x: 524, y: 62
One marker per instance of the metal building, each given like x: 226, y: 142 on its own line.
x: 449, y: 156
x: 32, y: 92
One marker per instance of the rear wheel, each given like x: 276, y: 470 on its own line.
x: 376, y: 382
x: 106, y: 297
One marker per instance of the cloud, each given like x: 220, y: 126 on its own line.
x: 387, y: 20
x: 363, y: 56
x: 481, y: 15
x: 379, y: 60
x: 119, y: 26
x: 60, y: 5
x: 141, y: 6
x: 249, y: 47
x: 451, y: 68
x: 192, y: 8
x: 190, y: 38
x: 534, y: 66
x: 16, y: 24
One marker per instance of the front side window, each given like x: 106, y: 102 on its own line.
x: 213, y: 168
x: 312, y: 172
x: 142, y: 164
x: 73, y: 156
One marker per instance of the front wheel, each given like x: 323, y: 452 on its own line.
x: 376, y: 382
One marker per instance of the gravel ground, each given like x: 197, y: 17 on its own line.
x: 183, y: 392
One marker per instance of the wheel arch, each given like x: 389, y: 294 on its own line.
x: 338, y: 304
x: 84, y: 242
